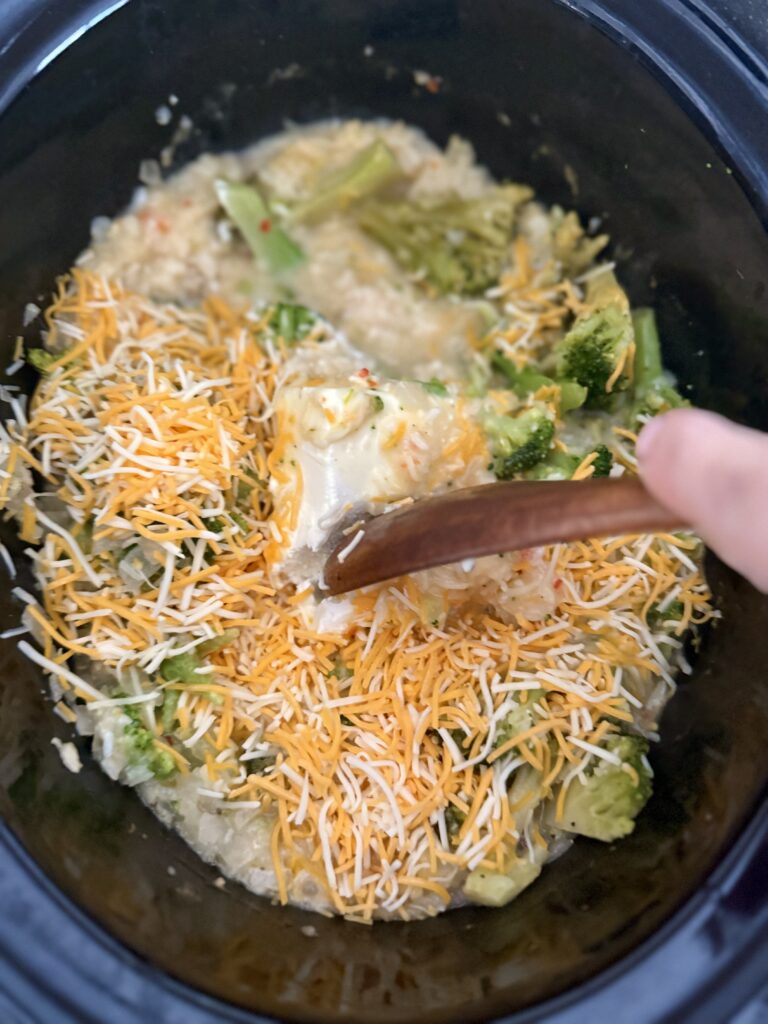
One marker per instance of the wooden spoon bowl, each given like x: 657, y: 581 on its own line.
x: 491, y: 519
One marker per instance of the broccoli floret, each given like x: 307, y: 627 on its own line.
x: 557, y: 466
x: 240, y: 521
x: 518, y: 719
x: 605, y: 805
x: 591, y: 352
x: 217, y: 642
x: 42, y: 359
x: 604, y: 290
x: 596, y: 348
x: 161, y: 764
x: 183, y: 668
x: 572, y: 247
x: 454, y: 819
x: 526, y: 381
x: 291, y: 322
x: 168, y: 711
x: 371, y: 170
x: 603, y: 461
x: 341, y: 671
x: 462, y: 740
x: 496, y: 889
x: 141, y: 749
x: 518, y: 442
x: 654, y: 391
x: 83, y: 534
x: 139, y: 735
x: 435, y: 387
x: 243, y: 489
x: 460, y: 246
x: 562, y: 465
x: 671, y: 612
x: 660, y: 399
x: 250, y: 214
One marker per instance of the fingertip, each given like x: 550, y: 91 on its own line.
x: 714, y: 475
x: 674, y: 453
x: 648, y: 438
x: 657, y: 443
x: 679, y: 429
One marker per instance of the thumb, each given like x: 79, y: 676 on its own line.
x: 714, y: 475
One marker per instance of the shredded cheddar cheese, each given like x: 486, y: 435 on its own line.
x: 362, y: 747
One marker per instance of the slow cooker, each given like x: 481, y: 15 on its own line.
x: 649, y: 114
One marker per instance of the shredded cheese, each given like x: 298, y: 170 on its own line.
x: 158, y: 434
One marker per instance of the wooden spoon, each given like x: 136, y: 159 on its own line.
x: 487, y: 520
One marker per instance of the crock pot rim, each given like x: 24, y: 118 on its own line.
x: 729, y: 115
x: 700, y: 912
x: 37, y: 32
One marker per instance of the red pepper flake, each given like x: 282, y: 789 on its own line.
x: 154, y: 220
x: 429, y: 82
x: 265, y: 226
x: 365, y: 372
x: 558, y: 583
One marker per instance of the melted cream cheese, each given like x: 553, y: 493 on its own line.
x: 357, y: 448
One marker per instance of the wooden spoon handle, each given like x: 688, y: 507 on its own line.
x: 486, y: 520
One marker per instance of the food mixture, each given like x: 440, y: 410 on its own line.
x: 342, y: 319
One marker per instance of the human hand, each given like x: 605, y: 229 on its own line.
x: 714, y: 475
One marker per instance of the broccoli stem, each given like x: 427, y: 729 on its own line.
x: 458, y: 246
x: 183, y: 667
x: 572, y: 395
x: 249, y: 212
x: 562, y: 465
x: 41, y: 359
x: 292, y: 322
x: 217, y: 642
x: 557, y: 466
x: 528, y: 380
x: 168, y: 714
x: 371, y: 170
x: 435, y: 387
x: 648, y: 365
x: 654, y: 391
